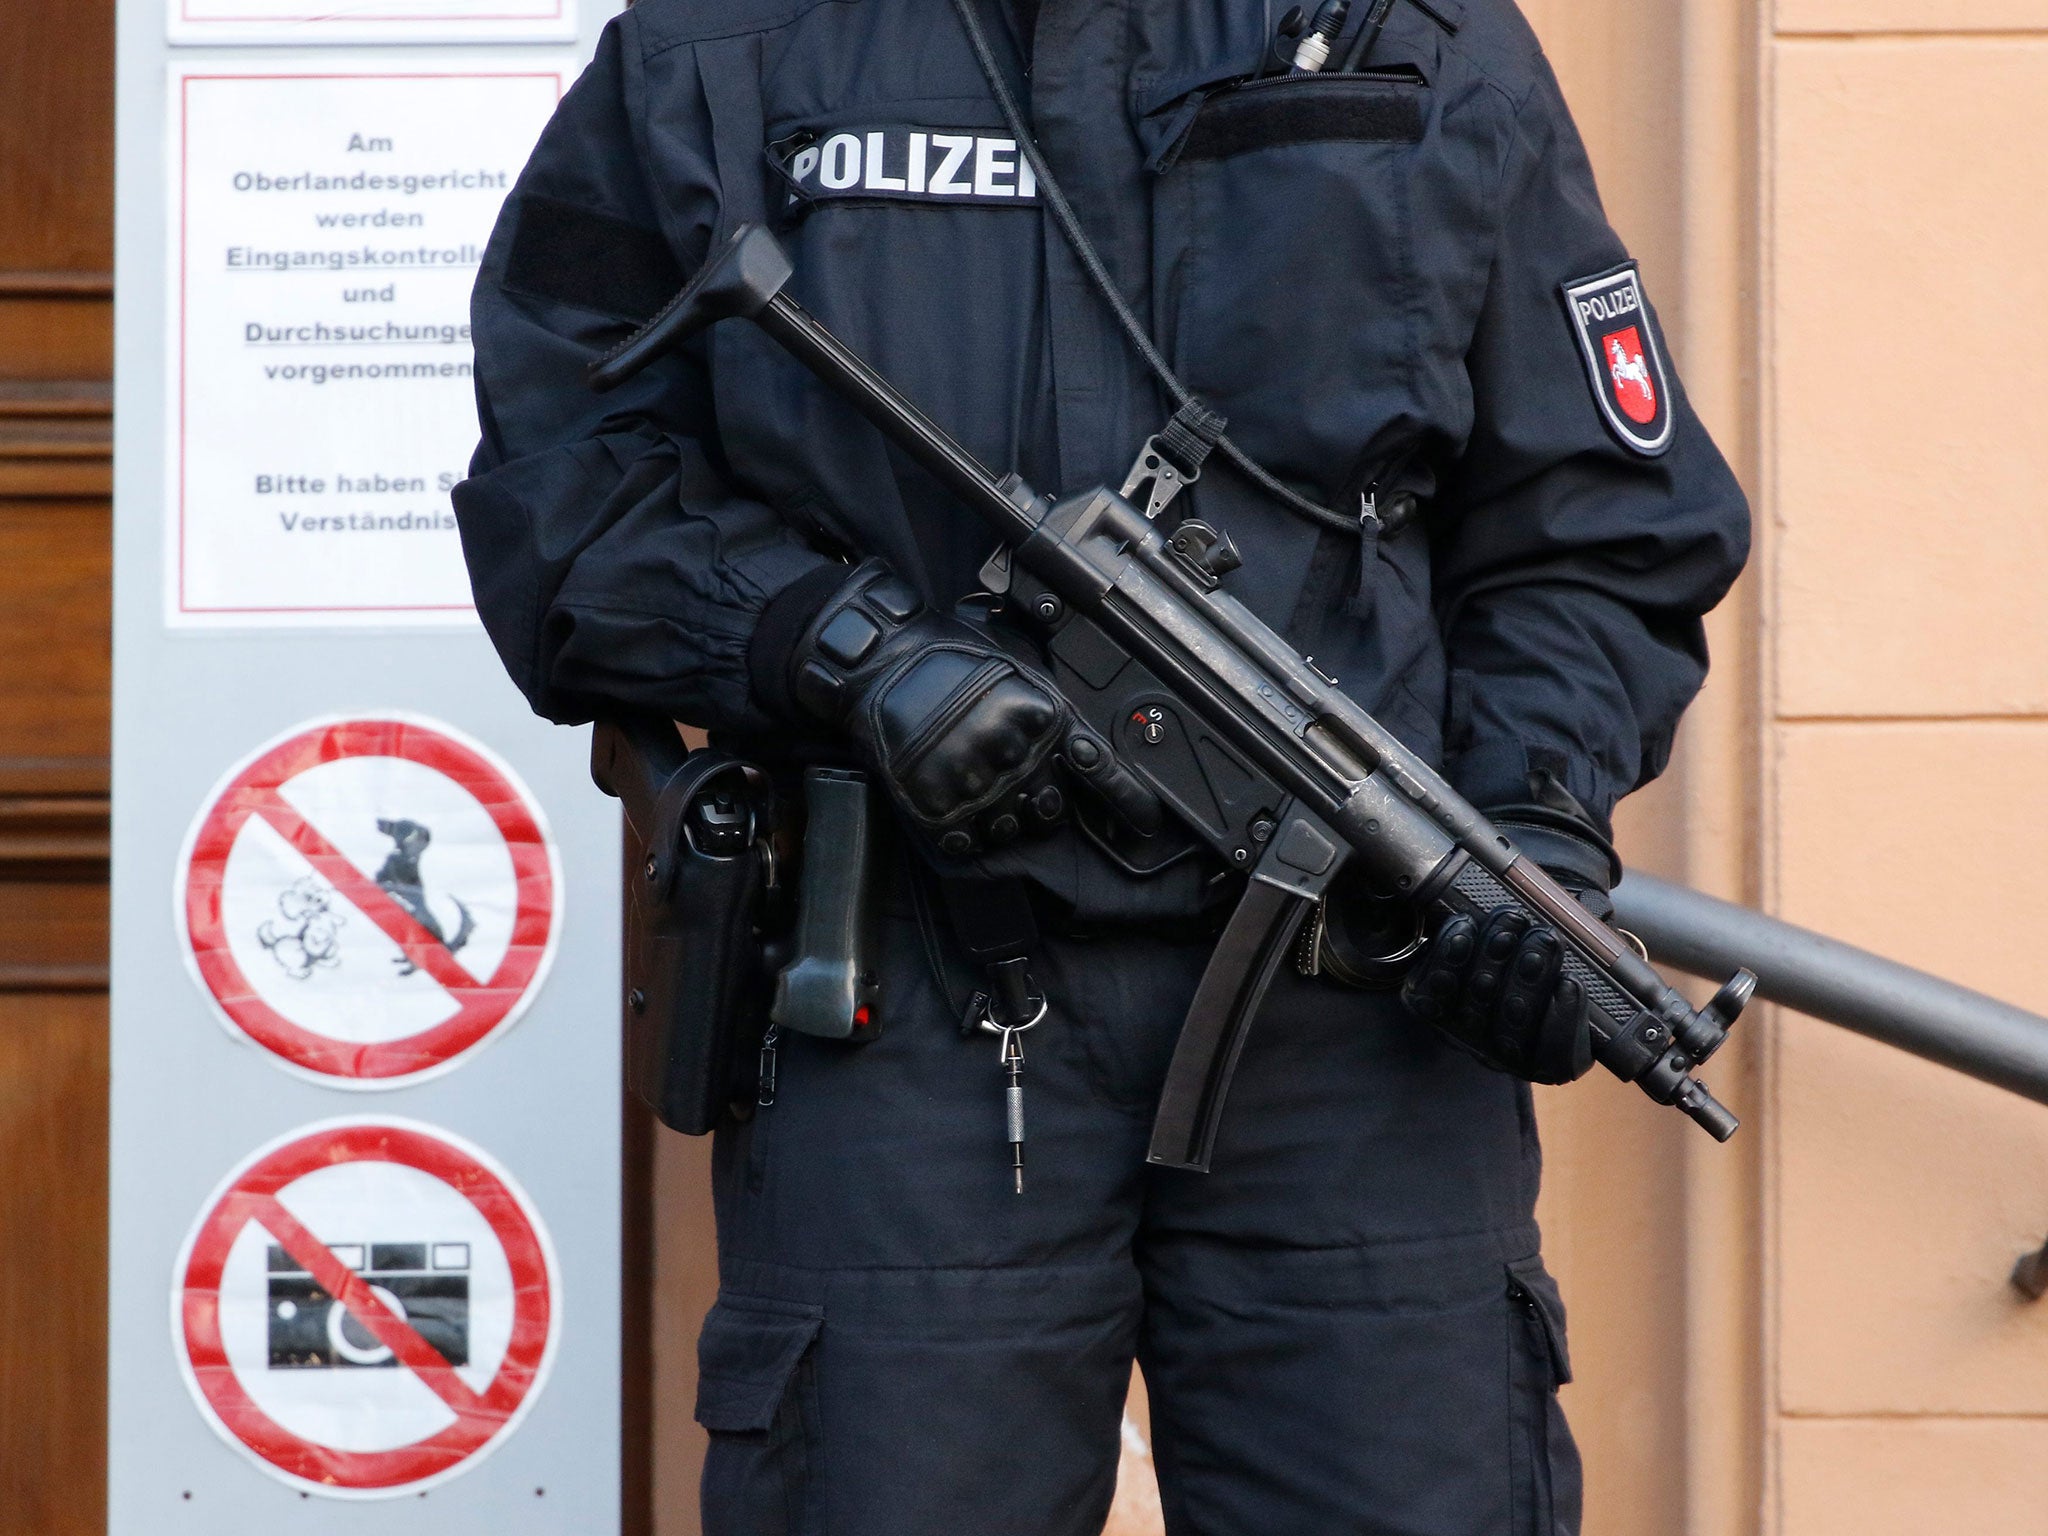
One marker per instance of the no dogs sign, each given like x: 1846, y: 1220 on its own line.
x: 366, y: 1307
x: 368, y: 899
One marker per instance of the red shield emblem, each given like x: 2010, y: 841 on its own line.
x: 1634, y: 389
x: 1624, y: 358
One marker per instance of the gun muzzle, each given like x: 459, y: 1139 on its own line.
x: 1709, y: 1113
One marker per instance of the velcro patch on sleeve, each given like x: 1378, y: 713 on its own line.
x: 595, y: 261
x: 1624, y: 359
x: 899, y: 163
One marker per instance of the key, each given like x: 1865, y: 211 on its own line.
x: 1013, y: 1090
x: 766, y: 1095
x: 1013, y: 1101
x: 1021, y: 999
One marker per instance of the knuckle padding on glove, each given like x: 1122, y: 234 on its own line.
x: 1500, y: 988
x: 946, y: 732
x: 1433, y: 988
x: 1488, y: 975
x: 1530, y: 998
x: 961, y: 730
x: 966, y: 733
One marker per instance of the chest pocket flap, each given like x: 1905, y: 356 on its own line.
x: 1342, y: 111
x: 1237, y: 117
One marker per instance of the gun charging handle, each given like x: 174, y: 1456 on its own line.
x: 737, y: 283
x: 745, y: 281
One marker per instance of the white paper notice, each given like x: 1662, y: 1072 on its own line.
x: 321, y: 399
x: 371, y: 21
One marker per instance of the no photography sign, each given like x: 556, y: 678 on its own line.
x: 366, y: 1307
x: 369, y: 899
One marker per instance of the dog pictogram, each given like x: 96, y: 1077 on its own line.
x: 400, y: 878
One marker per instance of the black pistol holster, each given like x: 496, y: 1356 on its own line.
x: 697, y: 977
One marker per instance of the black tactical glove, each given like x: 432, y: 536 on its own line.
x: 1496, y: 986
x: 969, y: 740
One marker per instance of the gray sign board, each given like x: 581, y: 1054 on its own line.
x: 365, y: 920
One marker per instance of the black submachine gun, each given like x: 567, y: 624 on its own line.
x: 1198, y: 693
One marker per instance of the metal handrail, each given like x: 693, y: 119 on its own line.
x: 1936, y: 1020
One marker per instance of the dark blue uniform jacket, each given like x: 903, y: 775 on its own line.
x: 1369, y: 275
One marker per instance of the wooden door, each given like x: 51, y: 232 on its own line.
x: 56, y: 339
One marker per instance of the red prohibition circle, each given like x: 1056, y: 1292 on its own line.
x: 482, y: 1419
x: 253, y: 790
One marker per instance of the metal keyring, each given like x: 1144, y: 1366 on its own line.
x: 1375, y: 972
x: 990, y: 1026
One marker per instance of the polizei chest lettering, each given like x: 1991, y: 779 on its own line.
x: 899, y: 163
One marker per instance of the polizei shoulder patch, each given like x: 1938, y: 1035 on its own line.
x: 1626, y: 365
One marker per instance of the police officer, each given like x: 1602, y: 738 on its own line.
x: 1493, y: 515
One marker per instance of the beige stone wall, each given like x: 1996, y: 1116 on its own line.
x: 1846, y: 235
x: 1651, y: 1228
x: 1906, y: 311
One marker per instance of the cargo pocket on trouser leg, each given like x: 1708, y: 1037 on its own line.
x: 758, y: 1398
x: 1547, y: 1479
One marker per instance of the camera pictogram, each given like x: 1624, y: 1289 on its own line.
x: 427, y: 1284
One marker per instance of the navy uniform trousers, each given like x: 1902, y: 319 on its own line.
x: 1344, y: 1328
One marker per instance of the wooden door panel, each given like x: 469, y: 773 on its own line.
x: 46, y: 335
x: 56, y: 353
x: 53, y: 933
x: 56, y: 438
x: 53, y: 1276
x: 55, y: 571
x: 57, y: 136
